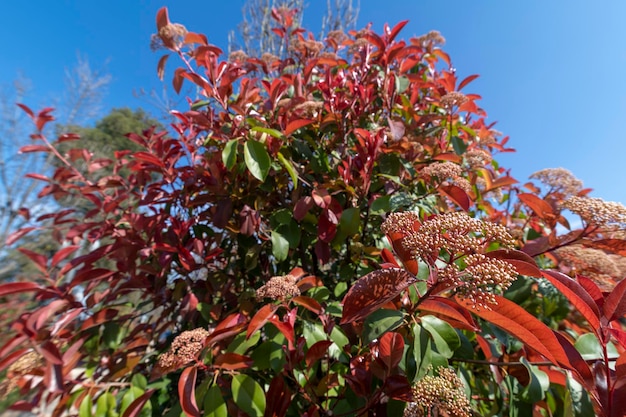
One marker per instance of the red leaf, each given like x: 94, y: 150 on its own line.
x: 68, y: 137
x: 617, y: 246
x: 396, y: 29
x: 579, y: 366
x: 388, y: 257
x: 391, y: 349
x: 527, y: 328
x: 225, y: 333
x: 38, y: 177
x: 321, y: 198
x: 466, y: 81
x: 372, y: 291
x: 39, y: 260
x: 260, y: 318
x: 537, y: 246
x: 162, y: 19
x: 398, y: 388
x: 457, y: 195
x: 524, y: 264
x: 278, y: 398
x: 295, y: 125
x: 592, y: 289
x: 15, y: 236
x: 99, y: 317
x: 149, y: 158
x: 187, y: 392
x: 26, y: 109
x: 443, y: 307
x: 87, y: 274
x: 620, y: 367
x: 178, y: 79
x: 542, y: 209
x: 53, y: 377
x: 309, y: 303
x: 17, y: 287
x: 34, y: 148
x: 8, y: 360
x: 619, y: 335
x: 192, y: 37
x: 51, y: 353
x: 302, y: 207
x: 231, y: 361
x: 62, y: 254
x: 316, y: 352
x: 615, y: 303
x: 161, y: 66
x: 576, y: 294
x: 374, y: 39
x: 285, y: 328
x: 136, y: 406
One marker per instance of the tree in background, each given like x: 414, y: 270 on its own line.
x: 255, y: 35
x: 84, y: 92
x: 85, y: 89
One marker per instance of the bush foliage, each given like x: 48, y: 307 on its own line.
x: 322, y: 234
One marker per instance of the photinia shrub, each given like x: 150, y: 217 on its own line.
x: 324, y: 234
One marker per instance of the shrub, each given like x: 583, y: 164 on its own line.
x: 246, y: 263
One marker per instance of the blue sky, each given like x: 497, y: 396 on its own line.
x: 552, y: 73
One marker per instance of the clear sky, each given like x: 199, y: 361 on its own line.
x: 553, y: 73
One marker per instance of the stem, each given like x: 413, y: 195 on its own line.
x: 605, y: 354
x: 541, y: 363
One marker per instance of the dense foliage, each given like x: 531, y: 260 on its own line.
x: 323, y: 234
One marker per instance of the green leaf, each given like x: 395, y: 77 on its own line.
x: 538, y: 385
x: 381, y: 205
x: 85, y: 407
x: 280, y: 246
x: 380, y: 322
x: 229, y: 154
x: 112, y: 335
x: 402, y: 83
x: 272, y: 132
x: 248, y: 395
x: 444, y: 336
x: 105, y: 405
x: 458, y: 145
x: 131, y: 395
x: 257, y: 159
x: 290, y: 169
x: 200, y: 104
x: 139, y: 381
x: 282, y: 216
x: 589, y: 346
x: 214, y: 404
x: 421, y: 351
x: 241, y: 343
x: 350, y: 222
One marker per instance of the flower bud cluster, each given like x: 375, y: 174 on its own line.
x: 559, y: 180
x: 184, y: 349
x: 477, y: 158
x: 279, y: 288
x: 454, y: 233
x: 592, y: 263
x: 595, y: 211
x: 433, y: 38
x: 449, y: 172
x: 439, y: 395
x: 170, y: 36
x: 451, y: 236
x: 453, y: 99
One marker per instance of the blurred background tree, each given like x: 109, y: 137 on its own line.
x: 82, y: 103
x: 254, y: 34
